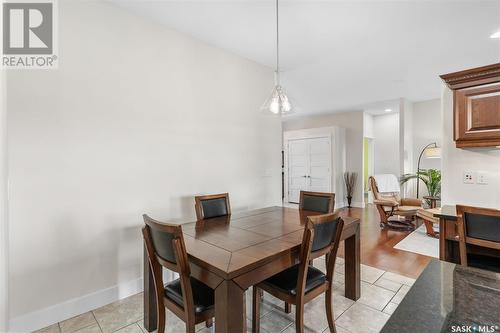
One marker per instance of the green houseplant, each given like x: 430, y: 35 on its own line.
x: 430, y: 177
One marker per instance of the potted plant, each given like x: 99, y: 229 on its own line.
x: 430, y: 177
x: 350, y: 183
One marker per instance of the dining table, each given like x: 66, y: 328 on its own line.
x: 234, y: 252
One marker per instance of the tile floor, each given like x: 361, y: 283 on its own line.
x: 381, y: 292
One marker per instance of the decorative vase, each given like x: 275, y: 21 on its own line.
x: 349, y: 199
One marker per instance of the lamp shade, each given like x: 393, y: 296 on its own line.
x: 433, y: 152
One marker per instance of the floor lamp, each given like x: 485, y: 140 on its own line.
x: 431, y: 151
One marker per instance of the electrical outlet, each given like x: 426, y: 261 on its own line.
x: 482, y: 178
x: 468, y: 177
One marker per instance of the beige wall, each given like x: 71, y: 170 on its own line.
x: 455, y: 161
x: 4, y: 269
x: 353, y: 123
x: 137, y: 119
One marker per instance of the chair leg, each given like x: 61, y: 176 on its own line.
x: 190, y: 328
x: 329, y: 311
x: 209, y: 323
x: 288, y: 307
x: 299, y: 318
x: 161, y: 319
x: 256, y: 310
x: 382, y: 214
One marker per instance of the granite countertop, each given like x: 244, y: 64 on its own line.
x: 448, y: 212
x: 448, y: 295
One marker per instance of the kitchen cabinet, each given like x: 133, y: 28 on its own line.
x: 476, y: 105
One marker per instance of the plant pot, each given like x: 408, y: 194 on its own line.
x: 349, y: 200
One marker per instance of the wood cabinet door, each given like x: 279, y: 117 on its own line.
x: 477, y: 116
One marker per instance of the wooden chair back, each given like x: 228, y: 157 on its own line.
x: 213, y: 205
x: 477, y: 226
x: 165, y: 248
x: 372, y: 183
x: 321, y: 237
x: 321, y: 202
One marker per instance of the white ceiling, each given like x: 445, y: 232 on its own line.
x: 343, y: 55
x: 380, y: 108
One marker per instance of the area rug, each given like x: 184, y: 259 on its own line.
x: 419, y: 242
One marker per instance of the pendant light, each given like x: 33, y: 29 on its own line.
x: 278, y: 103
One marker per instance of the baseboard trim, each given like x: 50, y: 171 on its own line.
x: 353, y: 204
x: 42, y: 318
x: 38, y: 319
x: 358, y: 204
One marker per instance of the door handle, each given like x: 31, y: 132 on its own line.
x: 304, y: 176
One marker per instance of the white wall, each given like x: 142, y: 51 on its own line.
x: 386, y: 143
x: 455, y: 161
x: 427, y: 128
x: 353, y: 123
x: 406, y: 144
x: 137, y: 119
x: 368, y: 131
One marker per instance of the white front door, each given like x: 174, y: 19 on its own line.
x: 308, y: 166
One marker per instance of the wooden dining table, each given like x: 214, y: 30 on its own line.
x: 232, y: 253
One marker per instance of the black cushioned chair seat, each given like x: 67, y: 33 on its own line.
x: 214, y: 207
x: 483, y: 226
x: 286, y: 281
x: 316, y: 203
x: 203, y: 296
x: 484, y: 262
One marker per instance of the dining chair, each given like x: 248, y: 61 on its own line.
x: 189, y: 299
x: 212, y: 205
x: 302, y: 283
x: 321, y: 202
x: 479, y: 228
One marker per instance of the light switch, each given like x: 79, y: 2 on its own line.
x: 468, y: 177
x: 482, y: 178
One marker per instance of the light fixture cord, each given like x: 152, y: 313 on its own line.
x: 277, y: 45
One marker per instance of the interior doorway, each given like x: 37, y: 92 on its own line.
x: 309, y: 166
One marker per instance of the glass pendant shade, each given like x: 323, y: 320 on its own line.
x: 278, y: 102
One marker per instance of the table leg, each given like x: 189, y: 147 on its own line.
x: 352, y: 257
x: 442, y: 239
x: 230, y: 311
x: 150, y: 320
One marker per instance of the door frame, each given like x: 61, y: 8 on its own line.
x: 302, y: 135
x: 370, y: 164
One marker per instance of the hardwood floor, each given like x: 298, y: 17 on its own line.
x: 377, y: 245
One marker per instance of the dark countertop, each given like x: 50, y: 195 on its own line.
x: 448, y: 212
x: 446, y: 295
